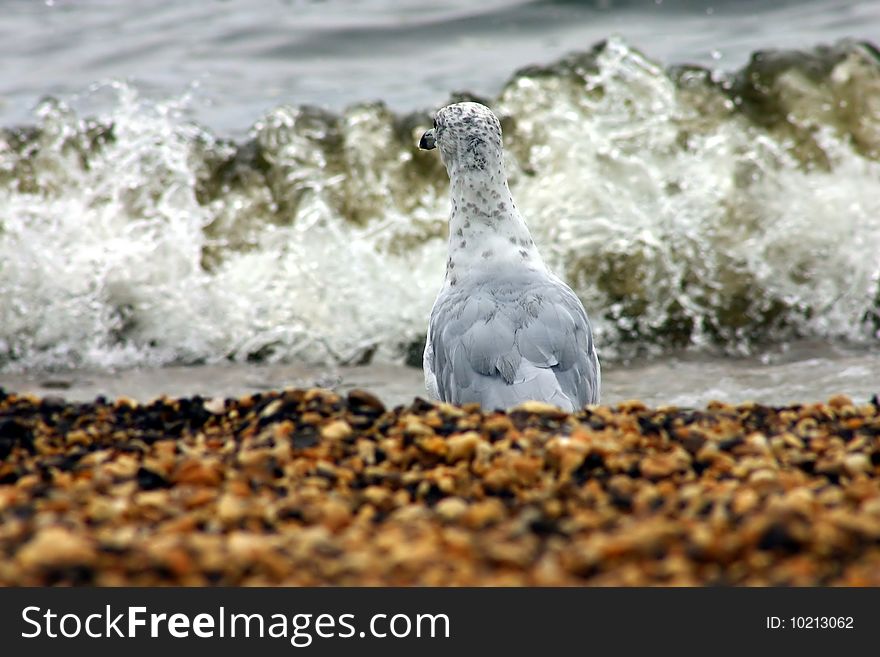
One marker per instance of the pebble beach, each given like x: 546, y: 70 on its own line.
x: 220, y: 245
x: 310, y: 487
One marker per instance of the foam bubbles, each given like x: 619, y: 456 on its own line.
x: 679, y: 215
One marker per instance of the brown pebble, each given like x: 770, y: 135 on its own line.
x: 197, y: 473
x: 839, y: 401
x: 462, y: 446
x: 56, y: 547
x: 537, y: 408
x: 336, y: 430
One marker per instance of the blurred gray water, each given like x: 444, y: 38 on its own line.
x: 241, y: 57
x: 803, y: 374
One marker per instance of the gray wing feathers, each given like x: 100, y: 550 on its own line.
x: 489, y: 346
x: 500, y: 348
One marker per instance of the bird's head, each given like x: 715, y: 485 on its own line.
x: 468, y: 136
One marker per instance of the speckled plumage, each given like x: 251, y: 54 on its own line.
x: 503, y: 329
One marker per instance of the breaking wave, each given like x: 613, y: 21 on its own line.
x: 687, y: 208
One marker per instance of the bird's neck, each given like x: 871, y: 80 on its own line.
x: 485, y: 227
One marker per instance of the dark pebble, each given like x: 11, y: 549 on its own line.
x: 544, y: 527
x: 305, y: 437
x: 621, y: 501
x: 778, y: 537
x: 693, y: 442
x: 365, y: 403
x: 729, y: 443
x: 649, y: 426
x: 420, y: 405
x: 13, y: 433
x: 150, y: 480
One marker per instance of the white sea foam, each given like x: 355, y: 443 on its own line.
x: 139, y: 238
x: 674, y: 214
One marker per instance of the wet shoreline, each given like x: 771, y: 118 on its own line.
x: 801, y: 372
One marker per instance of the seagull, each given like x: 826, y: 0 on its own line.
x: 503, y: 329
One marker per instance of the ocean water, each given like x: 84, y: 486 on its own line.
x: 240, y: 58
x: 236, y: 185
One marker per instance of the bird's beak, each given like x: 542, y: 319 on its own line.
x: 427, y: 142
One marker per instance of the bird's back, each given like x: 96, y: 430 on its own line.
x: 508, y: 338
